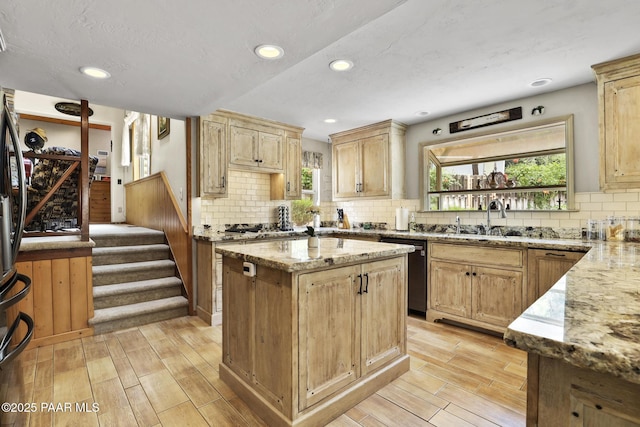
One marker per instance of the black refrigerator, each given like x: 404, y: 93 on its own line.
x: 13, y: 197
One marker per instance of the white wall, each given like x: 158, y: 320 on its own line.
x: 581, y: 101
x: 169, y: 155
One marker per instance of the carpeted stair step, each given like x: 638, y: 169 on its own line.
x: 106, y: 296
x: 127, y: 237
x: 127, y: 316
x: 132, y: 272
x: 129, y: 254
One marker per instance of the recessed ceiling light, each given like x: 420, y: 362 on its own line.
x: 540, y: 82
x: 329, y: 120
x: 341, y: 65
x: 422, y: 113
x: 96, y: 73
x: 269, y: 51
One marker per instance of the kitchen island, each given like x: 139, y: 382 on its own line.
x: 583, y: 343
x: 310, y: 332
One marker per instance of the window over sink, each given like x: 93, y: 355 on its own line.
x: 527, y: 167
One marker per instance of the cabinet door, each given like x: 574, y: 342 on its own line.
x: 374, y: 166
x: 238, y: 323
x: 383, y: 312
x: 328, y: 333
x: 293, y: 169
x: 622, y: 132
x: 272, y: 326
x: 346, y: 170
x: 545, y: 268
x: 496, y: 295
x: 213, y: 158
x: 243, y: 148
x: 450, y: 290
x: 270, y: 152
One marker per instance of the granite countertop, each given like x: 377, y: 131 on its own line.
x: 591, y: 317
x: 518, y: 241
x: 294, y: 255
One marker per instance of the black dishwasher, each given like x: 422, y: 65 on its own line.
x: 417, y: 274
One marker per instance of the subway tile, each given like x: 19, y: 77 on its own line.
x: 602, y: 197
x: 625, y: 197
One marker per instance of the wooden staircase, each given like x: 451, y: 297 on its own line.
x: 134, y: 278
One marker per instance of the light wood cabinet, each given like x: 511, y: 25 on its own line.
x: 363, y: 330
x: 369, y: 162
x: 560, y: 394
x: 619, y: 109
x: 255, y: 146
x: 288, y: 185
x: 303, y: 347
x: 481, y: 286
x: 545, y: 268
x: 213, y: 156
x: 238, y: 141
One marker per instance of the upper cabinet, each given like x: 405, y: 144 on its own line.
x: 288, y: 185
x: 619, y: 109
x: 213, y: 155
x: 369, y: 162
x: 233, y: 140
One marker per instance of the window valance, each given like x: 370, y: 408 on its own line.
x: 311, y: 159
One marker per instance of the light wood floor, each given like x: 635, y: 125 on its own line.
x: 166, y: 374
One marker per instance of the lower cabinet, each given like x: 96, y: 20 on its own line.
x: 560, y: 394
x: 545, y: 268
x: 481, y: 286
x: 303, y: 347
x: 362, y: 328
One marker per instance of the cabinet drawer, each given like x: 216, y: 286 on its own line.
x: 477, y: 254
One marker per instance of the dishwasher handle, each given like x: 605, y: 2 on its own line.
x: 420, y: 248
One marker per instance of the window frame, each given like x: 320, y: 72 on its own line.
x: 426, y: 157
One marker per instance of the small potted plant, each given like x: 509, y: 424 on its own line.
x: 312, y: 242
x: 315, y: 211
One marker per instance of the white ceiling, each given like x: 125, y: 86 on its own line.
x: 180, y: 58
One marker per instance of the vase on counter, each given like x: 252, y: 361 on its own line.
x: 316, y: 221
x: 313, y: 242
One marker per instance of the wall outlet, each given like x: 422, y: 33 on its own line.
x: 119, y: 209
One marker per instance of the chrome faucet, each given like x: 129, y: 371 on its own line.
x: 457, y: 225
x: 503, y: 214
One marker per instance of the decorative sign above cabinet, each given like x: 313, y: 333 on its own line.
x: 486, y: 120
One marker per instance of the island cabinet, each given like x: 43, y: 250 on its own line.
x: 362, y: 330
x: 545, y: 267
x: 566, y: 395
x: 619, y: 108
x: 369, y: 162
x: 477, y: 285
x: 302, y: 347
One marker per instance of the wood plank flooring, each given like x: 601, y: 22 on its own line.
x: 166, y: 374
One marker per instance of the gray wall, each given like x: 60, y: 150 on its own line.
x: 581, y: 101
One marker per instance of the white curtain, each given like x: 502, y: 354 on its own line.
x: 125, y: 159
x: 311, y: 159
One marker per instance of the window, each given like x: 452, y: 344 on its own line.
x: 526, y: 167
x: 311, y: 185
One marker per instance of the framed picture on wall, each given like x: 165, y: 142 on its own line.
x: 163, y: 127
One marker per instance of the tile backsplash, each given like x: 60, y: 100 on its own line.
x: 249, y: 202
